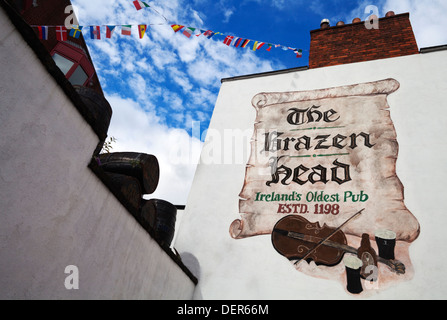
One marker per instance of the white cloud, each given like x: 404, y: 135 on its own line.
x: 280, y: 4
x: 427, y: 18
x: 181, y: 78
x: 175, y: 150
x: 227, y: 14
x: 203, y: 97
x: 110, y: 50
x: 217, y: 61
x: 140, y: 87
x: 174, y: 101
x: 161, y: 57
x: 198, y: 20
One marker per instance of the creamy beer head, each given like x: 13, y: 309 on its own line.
x: 385, y: 234
x: 353, y: 265
x: 352, y: 262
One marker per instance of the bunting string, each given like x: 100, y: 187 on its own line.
x: 62, y: 33
x: 141, y: 5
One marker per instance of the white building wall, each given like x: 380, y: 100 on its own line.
x: 55, y: 212
x: 251, y: 268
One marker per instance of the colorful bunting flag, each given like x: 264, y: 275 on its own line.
x: 176, y: 27
x: 237, y: 42
x: 189, y: 31
x: 209, y: 34
x: 245, y: 43
x: 140, y: 5
x: 95, y: 32
x: 61, y: 33
x: 43, y: 32
x: 270, y: 47
x: 75, y: 31
x: 258, y: 45
x: 142, y: 29
x: 126, y: 30
x: 299, y: 53
x: 109, y: 31
x: 228, y: 40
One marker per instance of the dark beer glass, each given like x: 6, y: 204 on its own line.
x: 386, y: 242
x: 353, y: 265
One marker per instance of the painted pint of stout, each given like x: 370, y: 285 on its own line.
x: 353, y: 265
x: 386, y: 242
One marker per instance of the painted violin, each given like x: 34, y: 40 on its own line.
x: 296, y: 238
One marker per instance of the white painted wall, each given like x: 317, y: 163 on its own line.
x: 251, y: 268
x: 54, y: 211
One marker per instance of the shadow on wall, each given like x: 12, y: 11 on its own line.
x: 191, y: 262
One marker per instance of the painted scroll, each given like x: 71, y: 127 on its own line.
x: 324, y: 155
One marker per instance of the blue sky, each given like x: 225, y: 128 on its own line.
x: 164, y: 85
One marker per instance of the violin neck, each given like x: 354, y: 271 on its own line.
x: 329, y: 243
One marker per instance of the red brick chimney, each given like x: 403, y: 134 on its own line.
x: 348, y: 43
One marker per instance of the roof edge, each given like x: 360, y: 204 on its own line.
x: 425, y: 50
x: 264, y: 74
x: 433, y: 49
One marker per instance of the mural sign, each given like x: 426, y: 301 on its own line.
x: 321, y: 181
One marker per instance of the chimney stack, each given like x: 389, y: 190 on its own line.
x: 355, y: 42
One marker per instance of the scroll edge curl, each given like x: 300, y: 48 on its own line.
x: 386, y: 86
